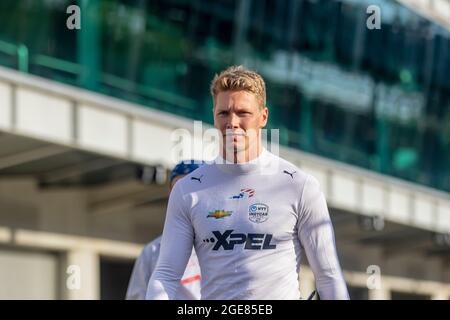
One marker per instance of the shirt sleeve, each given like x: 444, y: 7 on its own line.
x: 142, y: 270
x: 316, y: 235
x: 176, y: 247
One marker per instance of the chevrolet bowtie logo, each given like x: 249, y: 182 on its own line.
x: 219, y: 214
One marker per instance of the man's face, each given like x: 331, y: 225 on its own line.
x: 239, y: 118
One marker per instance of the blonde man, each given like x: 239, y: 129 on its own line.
x: 249, y: 214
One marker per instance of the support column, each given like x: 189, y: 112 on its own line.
x: 88, y: 43
x: 241, y: 20
x: 81, y: 275
x: 384, y: 293
x: 383, y: 133
x: 306, y: 125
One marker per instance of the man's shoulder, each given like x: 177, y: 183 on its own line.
x: 153, y: 245
x: 289, y: 169
x: 196, y: 178
x: 150, y: 250
x: 306, y: 180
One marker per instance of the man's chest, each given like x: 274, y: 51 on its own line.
x: 247, y: 216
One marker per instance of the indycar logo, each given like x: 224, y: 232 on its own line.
x: 251, y: 241
x: 258, y: 212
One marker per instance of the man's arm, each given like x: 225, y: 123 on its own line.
x: 176, y: 247
x: 317, y: 238
x: 142, y: 270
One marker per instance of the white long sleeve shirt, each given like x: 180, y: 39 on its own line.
x: 145, y: 265
x: 249, y: 224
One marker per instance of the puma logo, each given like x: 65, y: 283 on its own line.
x: 198, y: 179
x: 289, y: 173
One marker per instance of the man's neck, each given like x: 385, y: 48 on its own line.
x: 244, y: 156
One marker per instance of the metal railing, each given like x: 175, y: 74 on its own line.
x: 72, y: 71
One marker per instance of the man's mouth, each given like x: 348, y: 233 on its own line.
x: 235, y: 134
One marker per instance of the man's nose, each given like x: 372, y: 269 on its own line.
x: 232, y: 121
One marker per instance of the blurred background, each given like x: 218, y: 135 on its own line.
x: 86, y: 117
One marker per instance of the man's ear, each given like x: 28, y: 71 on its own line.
x: 265, y: 116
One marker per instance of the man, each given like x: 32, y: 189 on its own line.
x: 146, y: 262
x: 249, y: 214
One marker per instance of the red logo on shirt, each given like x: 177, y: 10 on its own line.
x: 191, y: 279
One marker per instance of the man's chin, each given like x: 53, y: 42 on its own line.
x: 234, y: 150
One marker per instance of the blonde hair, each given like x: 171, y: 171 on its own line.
x: 237, y: 78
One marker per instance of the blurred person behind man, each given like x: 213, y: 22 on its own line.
x: 146, y: 262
